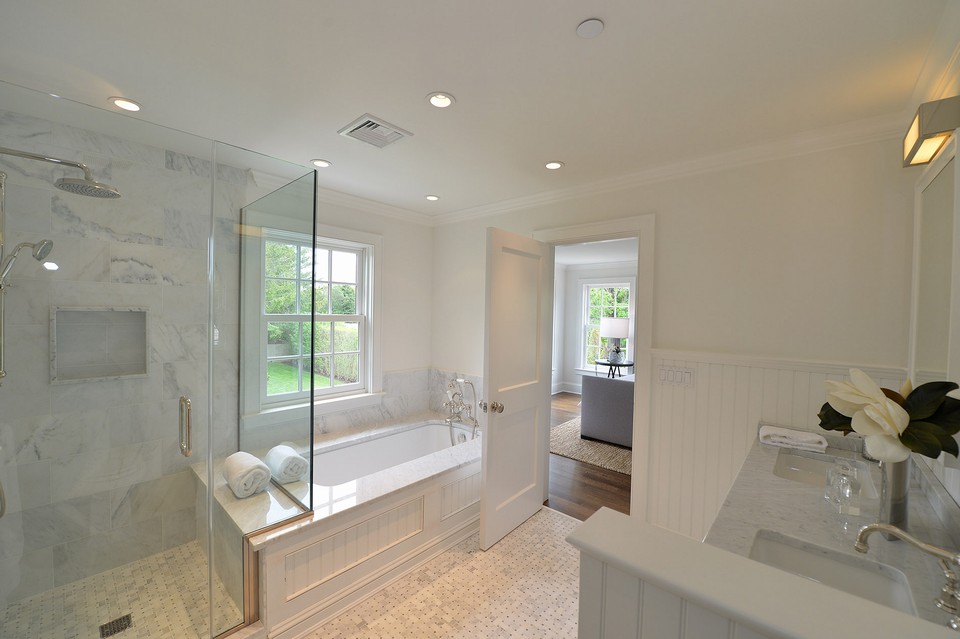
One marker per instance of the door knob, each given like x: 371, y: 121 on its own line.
x: 495, y: 407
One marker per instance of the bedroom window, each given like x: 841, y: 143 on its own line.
x: 604, y: 299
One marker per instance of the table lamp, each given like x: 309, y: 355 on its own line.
x: 614, y: 329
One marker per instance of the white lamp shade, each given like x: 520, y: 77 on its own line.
x: 615, y: 327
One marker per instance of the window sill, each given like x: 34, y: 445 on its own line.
x: 281, y: 414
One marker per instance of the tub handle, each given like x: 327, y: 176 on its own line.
x: 186, y: 427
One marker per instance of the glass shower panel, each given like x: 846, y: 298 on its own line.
x: 105, y: 523
x: 261, y: 321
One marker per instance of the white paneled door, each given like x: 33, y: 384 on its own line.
x: 516, y: 370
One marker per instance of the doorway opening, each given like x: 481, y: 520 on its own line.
x: 592, y: 281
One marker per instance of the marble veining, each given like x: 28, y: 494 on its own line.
x: 761, y: 500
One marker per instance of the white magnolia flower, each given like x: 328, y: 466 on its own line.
x: 848, y: 398
x: 874, y: 415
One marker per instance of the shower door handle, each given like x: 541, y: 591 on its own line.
x: 3, y: 501
x: 186, y: 427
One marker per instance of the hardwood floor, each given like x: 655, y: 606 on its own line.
x: 576, y: 488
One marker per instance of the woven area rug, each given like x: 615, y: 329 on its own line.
x: 565, y: 441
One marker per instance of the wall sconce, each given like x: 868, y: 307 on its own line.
x: 615, y: 329
x: 931, y: 128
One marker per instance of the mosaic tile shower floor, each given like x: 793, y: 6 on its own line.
x: 526, y: 586
x: 166, y: 594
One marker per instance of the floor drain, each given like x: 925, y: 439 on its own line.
x: 117, y: 625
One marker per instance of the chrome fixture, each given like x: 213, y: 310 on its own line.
x: 930, y: 129
x: 86, y: 186
x: 459, y: 410
x: 186, y: 426
x: 40, y: 251
x: 949, y: 600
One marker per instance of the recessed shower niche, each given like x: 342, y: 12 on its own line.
x: 92, y: 343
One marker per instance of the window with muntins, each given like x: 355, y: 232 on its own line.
x: 326, y: 282
x: 608, y: 299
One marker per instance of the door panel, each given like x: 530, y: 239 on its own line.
x: 519, y: 302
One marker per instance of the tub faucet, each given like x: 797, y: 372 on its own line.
x: 949, y: 600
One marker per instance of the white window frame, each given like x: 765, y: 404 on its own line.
x: 257, y: 408
x: 586, y: 284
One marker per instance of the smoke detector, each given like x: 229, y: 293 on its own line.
x: 374, y: 131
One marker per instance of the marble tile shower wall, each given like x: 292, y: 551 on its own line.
x: 92, y: 470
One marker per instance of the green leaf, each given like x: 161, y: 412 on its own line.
x: 947, y: 416
x: 919, y: 441
x: 926, y: 399
x: 945, y: 439
x: 830, y: 419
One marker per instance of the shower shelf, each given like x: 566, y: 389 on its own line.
x: 98, y: 343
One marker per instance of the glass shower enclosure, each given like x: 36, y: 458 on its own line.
x: 121, y: 347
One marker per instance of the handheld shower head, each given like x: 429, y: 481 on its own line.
x: 40, y: 250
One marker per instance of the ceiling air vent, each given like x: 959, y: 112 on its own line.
x: 374, y: 131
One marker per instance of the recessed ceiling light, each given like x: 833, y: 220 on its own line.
x: 441, y: 100
x: 321, y: 164
x: 433, y: 198
x: 553, y: 166
x: 125, y: 104
x: 590, y: 28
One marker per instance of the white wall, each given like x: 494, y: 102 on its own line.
x: 805, y: 258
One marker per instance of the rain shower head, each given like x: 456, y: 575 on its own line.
x: 87, y: 187
x: 40, y: 251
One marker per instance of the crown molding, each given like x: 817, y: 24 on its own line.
x: 851, y: 134
x: 339, y: 198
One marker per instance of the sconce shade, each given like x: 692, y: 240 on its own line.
x: 931, y: 128
x: 618, y: 327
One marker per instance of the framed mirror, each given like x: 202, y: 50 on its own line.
x: 935, y: 318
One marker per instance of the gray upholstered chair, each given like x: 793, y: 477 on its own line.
x: 606, y: 409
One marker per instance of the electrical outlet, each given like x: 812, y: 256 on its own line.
x: 676, y: 376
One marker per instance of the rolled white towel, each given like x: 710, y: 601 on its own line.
x: 245, y: 474
x: 789, y: 438
x: 286, y: 464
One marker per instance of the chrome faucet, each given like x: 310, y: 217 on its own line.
x: 459, y: 408
x: 949, y: 600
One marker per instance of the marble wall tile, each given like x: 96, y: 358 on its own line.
x: 67, y: 520
x: 107, y: 392
x: 134, y: 423
x: 28, y: 209
x: 174, y: 161
x: 84, y: 557
x: 178, y: 527
x: 105, y: 220
x: 33, y: 575
x: 34, y: 484
x: 173, y: 343
x: 102, y: 470
x: 149, y: 499
x: 185, y: 229
x: 154, y: 265
x: 60, y: 435
x: 183, y: 378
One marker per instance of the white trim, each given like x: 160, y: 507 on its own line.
x: 643, y: 227
x: 805, y: 366
x: 583, y: 283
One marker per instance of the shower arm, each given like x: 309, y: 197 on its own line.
x: 87, y: 175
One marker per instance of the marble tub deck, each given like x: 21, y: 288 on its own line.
x: 274, y: 506
x: 759, y: 500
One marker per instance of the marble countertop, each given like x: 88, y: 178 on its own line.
x: 759, y: 499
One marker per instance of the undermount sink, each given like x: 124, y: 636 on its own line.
x: 854, y: 575
x: 811, y: 468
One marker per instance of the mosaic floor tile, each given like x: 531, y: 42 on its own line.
x: 166, y: 594
x: 526, y: 586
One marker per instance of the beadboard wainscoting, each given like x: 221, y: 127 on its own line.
x: 703, y: 424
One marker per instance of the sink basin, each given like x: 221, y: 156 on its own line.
x: 854, y: 575
x: 811, y: 468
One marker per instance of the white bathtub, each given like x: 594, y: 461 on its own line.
x: 340, y: 462
x: 385, y: 502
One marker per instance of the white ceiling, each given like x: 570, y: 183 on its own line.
x: 666, y: 82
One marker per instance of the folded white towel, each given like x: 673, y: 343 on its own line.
x: 285, y: 464
x: 245, y: 474
x: 789, y: 438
